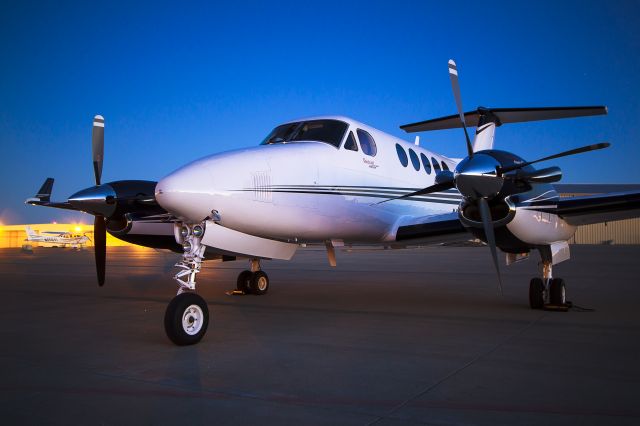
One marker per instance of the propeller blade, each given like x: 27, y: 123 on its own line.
x: 587, y: 148
x: 100, y: 237
x: 547, y: 175
x: 443, y: 186
x: 97, y: 143
x: 453, y: 75
x: 485, y: 213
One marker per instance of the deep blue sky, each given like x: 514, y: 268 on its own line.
x: 182, y: 80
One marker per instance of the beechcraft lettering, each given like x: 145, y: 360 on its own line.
x: 313, y: 181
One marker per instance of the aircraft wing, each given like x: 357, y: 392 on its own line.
x: 599, y: 208
x: 433, y: 229
x: 580, y: 210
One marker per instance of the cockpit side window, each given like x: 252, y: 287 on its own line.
x: 328, y: 131
x: 350, y: 143
x: 367, y: 143
x: 280, y: 134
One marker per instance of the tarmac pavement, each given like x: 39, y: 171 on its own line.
x: 389, y: 337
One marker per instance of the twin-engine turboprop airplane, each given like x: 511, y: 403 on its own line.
x: 334, y: 181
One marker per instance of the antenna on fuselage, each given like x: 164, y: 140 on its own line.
x: 417, y: 141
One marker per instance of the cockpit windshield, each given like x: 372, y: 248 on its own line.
x: 328, y: 131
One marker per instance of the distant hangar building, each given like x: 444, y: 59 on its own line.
x: 625, y: 231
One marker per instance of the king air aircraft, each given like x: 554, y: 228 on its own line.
x: 334, y: 181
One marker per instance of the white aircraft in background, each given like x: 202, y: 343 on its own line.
x: 56, y: 238
x: 335, y: 181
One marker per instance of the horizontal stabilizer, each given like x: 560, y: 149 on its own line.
x: 504, y: 115
x: 43, y: 197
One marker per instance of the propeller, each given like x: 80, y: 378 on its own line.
x: 588, y: 148
x: 428, y: 190
x: 480, y: 176
x: 97, y: 145
x: 485, y: 214
x: 100, y: 243
x: 99, y: 222
x: 453, y: 76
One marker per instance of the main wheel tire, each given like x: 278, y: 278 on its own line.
x: 244, y: 281
x: 186, y: 319
x: 557, y: 292
x: 259, y: 283
x: 536, y: 293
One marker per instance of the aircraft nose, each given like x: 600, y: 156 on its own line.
x: 186, y: 193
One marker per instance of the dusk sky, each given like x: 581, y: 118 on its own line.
x: 178, y: 81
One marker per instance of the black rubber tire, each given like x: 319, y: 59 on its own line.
x: 244, y: 282
x: 536, y: 293
x: 177, y: 310
x: 259, y: 283
x: 557, y: 292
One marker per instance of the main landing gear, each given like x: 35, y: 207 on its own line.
x: 547, y: 292
x: 253, y: 281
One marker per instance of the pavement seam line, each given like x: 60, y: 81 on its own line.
x: 456, y: 371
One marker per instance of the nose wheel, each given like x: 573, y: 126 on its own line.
x: 186, y: 319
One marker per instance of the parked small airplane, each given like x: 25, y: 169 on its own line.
x: 56, y: 239
x: 335, y: 181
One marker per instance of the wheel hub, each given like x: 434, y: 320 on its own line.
x: 262, y: 283
x: 192, y: 320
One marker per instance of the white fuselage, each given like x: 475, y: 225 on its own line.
x: 308, y: 191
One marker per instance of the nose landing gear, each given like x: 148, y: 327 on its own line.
x: 187, y: 316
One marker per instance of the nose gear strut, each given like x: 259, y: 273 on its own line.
x: 192, y: 257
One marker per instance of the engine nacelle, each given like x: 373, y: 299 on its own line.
x: 517, y: 228
x: 502, y: 212
x: 539, y: 228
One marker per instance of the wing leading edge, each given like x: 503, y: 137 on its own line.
x: 600, y: 208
